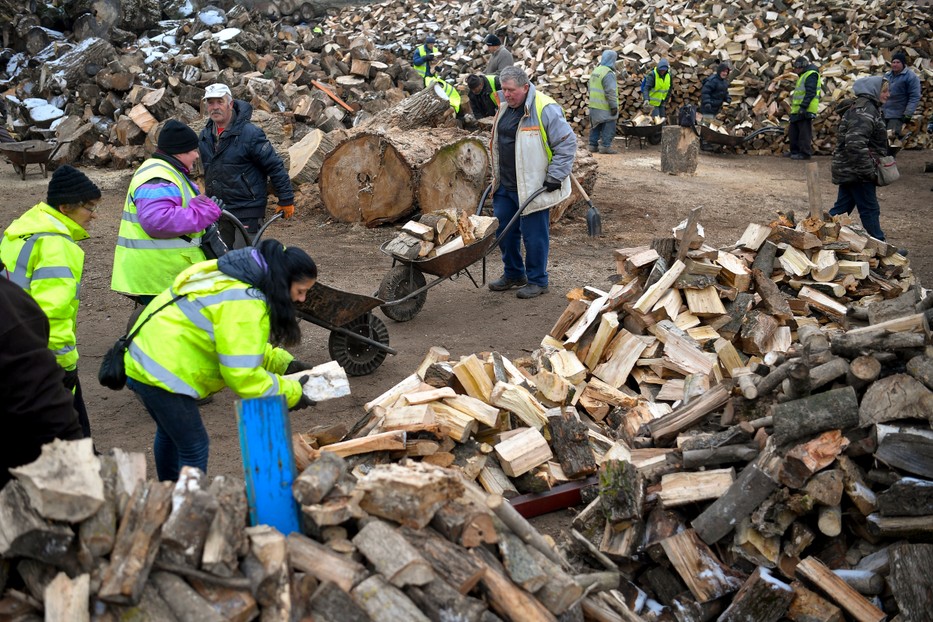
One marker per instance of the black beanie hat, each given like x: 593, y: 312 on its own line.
x: 492, y: 39
x: 474, y: 81
x: 723, y: 67
x: 69, y: 186
x: 900, y: 56
x: 176, y: 137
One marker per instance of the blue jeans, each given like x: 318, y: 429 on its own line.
x: 181, y: 439
x: 603, y: 133
x: 533, y: 230
x: 862, y: 195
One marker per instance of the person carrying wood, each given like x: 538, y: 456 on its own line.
x: 603, y: 104
x: 211, y: 329
x: 238, y: 160
x: 484, y: 98
x: 35, y: 405
x: 423, y: 58
x: 656, y: 88
x: 861, y: 137
x: 164, y: 217
x: 41, y: 255
x: 904, y: 87
x: 805, y: 103
x: 499, y: 57
x: 532, y: 147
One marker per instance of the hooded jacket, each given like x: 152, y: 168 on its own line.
x: 714, y: 94
x: 860, y: 135
x: 238, y: 163
x: 608, y: 87
x: 216, y: 335
x: 904, y: 89
x: 40, y: 253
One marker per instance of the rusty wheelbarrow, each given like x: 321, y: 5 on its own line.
x: 649, y: 133
x: 21, y: 154
x: 728, y: 140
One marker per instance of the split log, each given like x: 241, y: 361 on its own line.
x: 682, y: 488
x: 439, y: 601
x: 521, y: 527
x: 97, y: 533
x: 762, y: 598
x: 665, y: 428
x: 836, y: 409
x: 907, y: 497
x: 505, y: 597
x: 185, y: 531
x: 522, y: 569
x: 570, y: 441
x: 266, y: 566
x: 906, y: 448
x: 392, y: 555
x: 409, y: 496
x: 809, y: 606
x: 384, y: 602
x: 519, y: 401
x: 329, y: 603
x: 225, y: 542
x: 319, y: 478
x: 921, y: 368
x: 465, y: 523
x: 68, y: 599
x: 306, y: 157
x: 321, y: 562
x: 896, y: 397
x: 911, y: 579
x: 705, y: 575
x: 695, y: 458
x: 622, y: 492
x: 838, y: 591
x: 427, y: 108
x: 522, y: 452
x: 183, y: 600
x: 451, y: 563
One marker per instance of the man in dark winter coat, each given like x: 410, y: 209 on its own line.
x: 715, y: 92
x: 238, y: 158
x: 861, y: 137
x: 484, y: 101
x: 35, y: 406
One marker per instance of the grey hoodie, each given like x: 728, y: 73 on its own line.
x: 609, y: 86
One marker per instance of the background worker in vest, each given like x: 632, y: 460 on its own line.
x: 423, y: 58
x: 218, y: 335
x: 239, y: 161
x: 904, y: 87
x: 484, y: 100
x: 656, y: 88
x: 41, y: 255
x: 164, y: 216
x: 499, y: 57
x: 35, y: 407
x: 805, y: 103
x: 540, y: 155
x: 603, y: 104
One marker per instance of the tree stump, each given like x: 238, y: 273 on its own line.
x: 455, y: 176
x: 680, y: 148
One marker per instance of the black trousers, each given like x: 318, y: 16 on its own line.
x: 801, y: 137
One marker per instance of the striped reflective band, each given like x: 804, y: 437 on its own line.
x: 170, y: 380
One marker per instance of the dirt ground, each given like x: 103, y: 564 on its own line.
x: 636, y: 200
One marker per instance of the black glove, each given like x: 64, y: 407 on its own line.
x: 551, y: 186
x: 296, y: 366
x: 809, y: 115
x: 219, y: 203
x: 304, y: 401
x: 794, y: 116
x: 429, y: 57
x: 71, y: 379
x: 614, y: 112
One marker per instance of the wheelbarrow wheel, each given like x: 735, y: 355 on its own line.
x: 654, y: 139
x: 358, y: 358
x: 399, y: 283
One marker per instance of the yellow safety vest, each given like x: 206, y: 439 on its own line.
x: 143, y: 265
x: 598, y: 99
x: 658, y: 92
x: 800, y: 92
x: 493, y: 92
x: 452, y: 94
x: 422, y: 69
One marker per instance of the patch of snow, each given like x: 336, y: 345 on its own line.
x: 34, y: 102
x: 766, y: 576
x: 48, y: 112
x: 212, y: 17
x: 226, y: 34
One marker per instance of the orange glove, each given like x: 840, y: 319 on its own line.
x: 288, y: 210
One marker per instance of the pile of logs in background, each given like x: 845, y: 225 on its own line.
x: 91, y: 64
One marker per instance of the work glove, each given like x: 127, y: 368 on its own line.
x: 71, y: 378
x: 287, y: 210
x: 614, y: 112
x: 219, y: 203
x: 809, y: 115
x: 551, y: 186
x: 794, y: 116
x: 906, y: 118
x: 646, y: 105
x: 296, y: 366
x: 304, y: 401
x: 205, y: 206
x: 430, y: 57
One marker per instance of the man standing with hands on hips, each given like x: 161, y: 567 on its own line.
x: 238, y: 158
x: 533, y: 147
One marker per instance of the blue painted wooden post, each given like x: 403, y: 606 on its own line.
x: 268, y: 462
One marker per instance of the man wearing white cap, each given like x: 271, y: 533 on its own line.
x: 238, y: 159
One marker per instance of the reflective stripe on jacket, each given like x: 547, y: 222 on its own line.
x: 452, y: 94
x: 216, y: 336
x: 143, y: 265
x: 41, y: 256
x: 800, y: 92
x: 661, y: 88
x: 420, y: 53
x: 598, y: 99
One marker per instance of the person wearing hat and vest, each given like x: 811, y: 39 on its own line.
x: 484, y: 98
x: 238, y: 160
x: 603, y: 104
x: 423, y: 57
x: 212, y: 329
x: 805, y: 103
x: 41, y: 255
x: 164, y: 216
x: 499, y: 57
x: 35, y: 406
x: 904, y: 87
x: 532, y: 147
x: 656, y: 88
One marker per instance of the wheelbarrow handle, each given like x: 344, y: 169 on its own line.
x: 482, y: 200
x: 514, y: 221
x: 265, y: 225
x: 57, y: 147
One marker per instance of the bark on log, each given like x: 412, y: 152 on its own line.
x: 426, y: 108
x: 680, y: 150
x: 329, y: 603
x: 907, y: 497
x: 450, y: 562
x: 384, y: 602
x: 571, y: 443
x: 896, y: 397
x: 454, y: 176
x: 762, y: 598
x: 911, y: 580
x: 836, y: 409
x: 392, y: 555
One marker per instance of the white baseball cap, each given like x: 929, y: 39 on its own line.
x: 217, y: 90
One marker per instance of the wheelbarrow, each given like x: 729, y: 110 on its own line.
x: 405, y: 288
x: 21, y: 154
x: 728, y: 140
x: 649, y: 133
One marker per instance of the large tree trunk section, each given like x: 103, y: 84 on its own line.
x: 72, y: 64
x: 454, y: 177
x: 427, y: 108
x: 307, y: 155
x: 680, y: 149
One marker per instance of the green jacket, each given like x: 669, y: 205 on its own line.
x: 216, y: 336
x: 41, y: 256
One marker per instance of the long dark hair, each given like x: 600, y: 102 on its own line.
x: 286, y: 265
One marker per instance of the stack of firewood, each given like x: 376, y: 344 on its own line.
x: 440, y: 232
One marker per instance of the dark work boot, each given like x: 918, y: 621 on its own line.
x: 504, y: 283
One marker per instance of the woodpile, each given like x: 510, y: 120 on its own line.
x: 440, y: 232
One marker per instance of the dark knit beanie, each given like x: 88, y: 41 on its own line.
x: 723, y: 67
x: 474, y: 81
x: 492, y: 39
x: 176, y: 137
x: 900, y: 56
x: 69, y: 186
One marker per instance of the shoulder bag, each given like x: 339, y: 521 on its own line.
x: 112, y: 372
x: 886, y: 172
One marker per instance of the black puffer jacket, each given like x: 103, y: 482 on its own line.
x: 236, y: 168
x: 861, y: 135
x: 714, y: 93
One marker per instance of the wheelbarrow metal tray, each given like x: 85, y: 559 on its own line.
x: 641, y: 131
x: 718, y: 138
x: 27, y: 152
x: 335, y: 306
x: 453, y: 262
